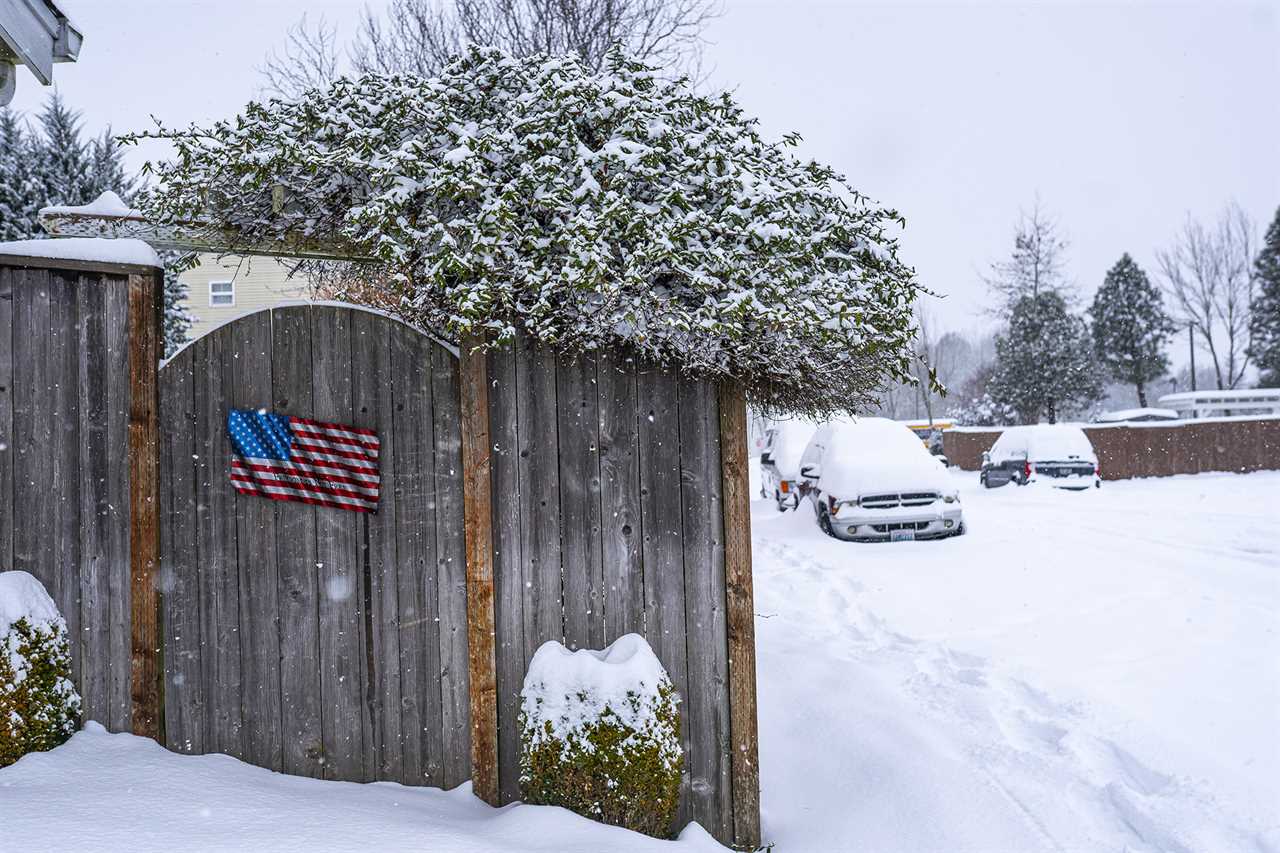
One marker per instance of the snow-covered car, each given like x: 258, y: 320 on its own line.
x: 784, y: 444
x: 1057, y: 454
x: 872, y: 480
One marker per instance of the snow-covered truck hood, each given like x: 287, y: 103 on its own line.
x: 847, y: 479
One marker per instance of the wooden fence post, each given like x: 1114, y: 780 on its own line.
x: 740, y: 613
x: 477, y: 503
x: 144, y: 502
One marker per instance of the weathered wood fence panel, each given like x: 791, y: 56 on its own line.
x: 607, y: 520
x: 303, y: 638
x: 339, y: 644
x: 64, y: 459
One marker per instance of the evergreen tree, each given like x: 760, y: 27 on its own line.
x: 1264, y: 328
x: 1130, y: 327
x: 64, y: 162
x: 55, y: 165
x: 1045, y: 360
x: 19, y: 194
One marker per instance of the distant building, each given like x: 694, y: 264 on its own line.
x: 1214, y: 404
x: 1139, y: 415
x: 221, y: 289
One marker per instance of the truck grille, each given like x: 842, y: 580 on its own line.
x: 889, y: 501
x: 900, y: 525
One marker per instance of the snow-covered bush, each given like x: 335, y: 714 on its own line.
x: 600, y: 735
x: 590, y: 210
x: 38, y: 704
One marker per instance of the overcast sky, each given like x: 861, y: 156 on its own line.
x: 1122, y: 117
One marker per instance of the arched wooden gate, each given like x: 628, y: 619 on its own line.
x: 310, y: 640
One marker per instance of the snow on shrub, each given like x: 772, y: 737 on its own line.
x: 38, y: 704
x: 590, y: 210
x: 600, y: 735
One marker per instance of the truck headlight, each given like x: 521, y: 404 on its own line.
x: 951, y: 499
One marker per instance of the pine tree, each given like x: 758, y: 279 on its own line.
x: 1130, y: 327
x: 1045, y: 360
x: 19, y: 195
x: 1264, y: 327
x: 64, y: 164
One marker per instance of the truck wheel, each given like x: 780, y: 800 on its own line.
x: 824, y: 523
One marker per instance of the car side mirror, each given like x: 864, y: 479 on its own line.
x: 814, y: 470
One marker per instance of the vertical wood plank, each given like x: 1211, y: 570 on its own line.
x: 662, y: 540
x: 32, y: 425
x: 740, y: 609
x: 409, y: 491
x: 706, y: 706
x: 144, y: 521
x: 249, y: 366
x: 479, y: 521
x: 6, y: 416
x: 216, y: 511
x: 580, y: 531
x: 119, y: 713
x: 622, y: 567
x: 338, y: 537
x: 539, y: 502
x: 186, y: 720
x: 299, y: 597
x: 64, y: 455
x: 372, y: 385
x: 96, y: 511
x: 451, y: 562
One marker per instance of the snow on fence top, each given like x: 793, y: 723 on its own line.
x: 590, y: 210
x: 89, y: 249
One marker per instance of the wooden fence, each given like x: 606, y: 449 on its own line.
x: 1156, y: 449
x: 526, y: 497
x: 71, y: 340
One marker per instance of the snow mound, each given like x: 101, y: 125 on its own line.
x: 22, y: 596
x: 572, y: 689
x: 92, y: 249
x: 107, y: 204
x: 86, y: 793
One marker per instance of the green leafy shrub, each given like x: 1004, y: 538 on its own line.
x: 39, y: 706
x: 600, y: 735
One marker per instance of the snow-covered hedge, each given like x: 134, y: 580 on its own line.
x: 38, y: 704
x: 600, y: 735
x: 611, y: 209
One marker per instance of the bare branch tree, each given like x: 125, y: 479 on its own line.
x: 308, y: 59
x: 419, y: 36
x: 1036, y: 264
x: 1209, y: 275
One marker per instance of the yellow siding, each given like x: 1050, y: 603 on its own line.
x: 259, y: 283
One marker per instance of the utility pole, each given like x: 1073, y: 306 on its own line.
x: 1191, y: 344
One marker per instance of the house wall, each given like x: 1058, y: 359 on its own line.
x: 259, y: 283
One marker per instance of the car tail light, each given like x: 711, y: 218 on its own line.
x: 832, y: 502
x: 785, y: 487
x: 1026, y: 468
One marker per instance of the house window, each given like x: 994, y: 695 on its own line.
x: 222, y: 293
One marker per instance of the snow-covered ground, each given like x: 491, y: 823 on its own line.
x: 1083, y: 671
x: 1095, y: 671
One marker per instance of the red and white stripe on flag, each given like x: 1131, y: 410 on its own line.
x: 298, y: 459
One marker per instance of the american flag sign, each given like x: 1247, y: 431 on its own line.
x: 298, y: 459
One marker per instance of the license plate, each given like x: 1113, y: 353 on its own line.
x: 902, y: 535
